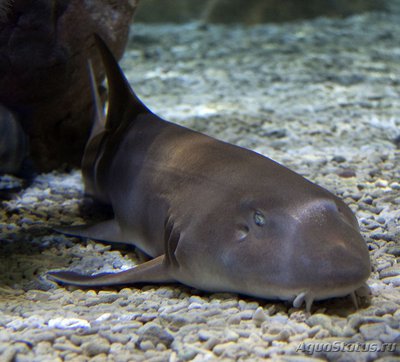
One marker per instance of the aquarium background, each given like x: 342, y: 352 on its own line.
x: 313, y: 85
x: 250, y: 12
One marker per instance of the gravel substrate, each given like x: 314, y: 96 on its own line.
x: 323, y: 98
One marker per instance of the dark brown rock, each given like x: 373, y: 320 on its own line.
x: 44, y: 48
x: 13, y: 143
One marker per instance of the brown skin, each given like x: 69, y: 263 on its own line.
x: 213, y: 215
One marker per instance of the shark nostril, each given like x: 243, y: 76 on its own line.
x: 242, y: 232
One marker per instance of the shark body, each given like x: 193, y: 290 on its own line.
x: 212, y: 215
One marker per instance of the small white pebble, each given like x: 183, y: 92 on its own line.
x: 68, y: 323
x: 395, y: 186
x: 195, y: 306
x: 381, y: 183
x: 103, y: 317
x: 259, y: 315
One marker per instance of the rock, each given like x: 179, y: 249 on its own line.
x: 212, y: 342
x: 231, y: 336
x: 155, y: 333
x: 320, y: 320
x: 13, y: 143
x: 259, y: 316
x: 121, y: 338
x: 95, y: 347
x: 205, y: 335
x: 372, y: 331
x: 195, y: 306
x: 259, y: 74
x: 44, y: 49
x: 347, y: 173
x: 146, y: 345
x: 394, y: 250
x: 395, y: 281
x: 391, y: 271
x: 339, y: 159
x: 68, y: 323
x: 222, y: 348
x: 66, y: 346
x: 16, y: 352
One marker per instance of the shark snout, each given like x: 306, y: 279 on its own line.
x: 333, y: 261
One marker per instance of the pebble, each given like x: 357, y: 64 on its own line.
x: 185, y: 352
x: 394, y: 250
x: 259, y: 316
x: 223, y: 348
x: 205, y: 335
x: 196, y: 299
x: 231, y: 336
x: 123, y: 327
x: 104, y: 317
x: 212, y: 342
x: 381, y: 183
x: 390, y: 271
x: 42, y: 336
x: 96, y: 347
x: 146, y: 345
x: 395, y: 281
x: 121, y: 338
x: 244, y: 305
x: 272, y: 327
x: 300, y: 359
x: 147, y: 317
x: 17, y: 325
x: 235, y: 319
x: 339, y: 159
x: 372, y: 331
x: 195, y: 306
x: 68, y: 323
x: 169, y: 309
x: 174, y: 322
x: 66, y: 345
x: 357, y: 320
x: 382, y: 265
x: 246, y: 314
x: 395, y: 185
x: 347, y: 173
x: 321, y: 320
x: 155, y: 333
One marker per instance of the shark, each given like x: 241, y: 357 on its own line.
x: 209, y: 214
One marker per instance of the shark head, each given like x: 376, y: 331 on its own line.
x: 298, y: 243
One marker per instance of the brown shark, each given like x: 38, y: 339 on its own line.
x: 212, y: 215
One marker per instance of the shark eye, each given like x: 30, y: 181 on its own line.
x: 259, y: 218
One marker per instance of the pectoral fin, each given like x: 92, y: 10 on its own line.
x: 153, y: 271
x: 108, y: 230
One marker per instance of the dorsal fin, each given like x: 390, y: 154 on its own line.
x: 123, y: 103
x: 99, y: 121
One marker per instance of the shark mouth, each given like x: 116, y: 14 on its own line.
x: 308, y: 297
